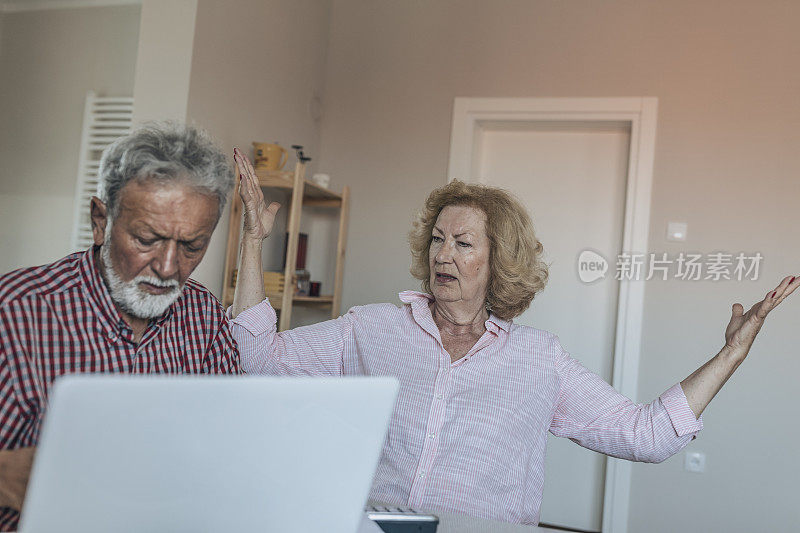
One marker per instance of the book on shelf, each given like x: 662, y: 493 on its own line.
x: 302, y: 247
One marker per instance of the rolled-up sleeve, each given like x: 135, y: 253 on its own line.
x: 680, y: 414
x: 257, y: 320
x: 593, y: 414
x: 309, y: 350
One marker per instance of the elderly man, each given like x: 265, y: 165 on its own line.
x: 126, y: 305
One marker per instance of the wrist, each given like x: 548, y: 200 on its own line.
x: 250, y: 242
x: 732, y: 356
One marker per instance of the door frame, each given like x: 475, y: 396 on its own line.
x: 641, y: 114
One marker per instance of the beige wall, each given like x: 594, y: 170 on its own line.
x: 726, y: 162
x: 48, y: 61
x: 256, y: 67
x: 164, y: 60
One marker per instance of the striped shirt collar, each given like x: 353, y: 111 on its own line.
x: 419, y: 302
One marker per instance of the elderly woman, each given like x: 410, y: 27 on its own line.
x: 478, y: 393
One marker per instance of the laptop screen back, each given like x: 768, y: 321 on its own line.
x: 121, y: 453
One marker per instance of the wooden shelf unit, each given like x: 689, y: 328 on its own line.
x: 303, y: 193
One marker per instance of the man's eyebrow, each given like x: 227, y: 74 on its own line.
x: 147, y: 227
x: 152, y: 230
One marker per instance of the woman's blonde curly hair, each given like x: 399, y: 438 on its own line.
x: 516, y: 269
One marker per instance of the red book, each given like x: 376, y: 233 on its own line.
x: 302, y: 247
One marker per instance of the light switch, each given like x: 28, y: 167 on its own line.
x: 695, y: 462
x: 676, y: 231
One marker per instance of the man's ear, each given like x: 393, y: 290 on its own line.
x: 99, y: 213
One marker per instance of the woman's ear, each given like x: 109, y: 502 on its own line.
x: 99, y: 214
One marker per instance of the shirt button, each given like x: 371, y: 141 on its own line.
x: 439, y: 396
x: 421, y: 475
x: 431, y: 435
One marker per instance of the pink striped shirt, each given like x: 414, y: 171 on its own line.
x: 469, y: 436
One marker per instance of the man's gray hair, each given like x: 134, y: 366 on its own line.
x: 165, y: 152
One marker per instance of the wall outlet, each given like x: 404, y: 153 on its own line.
x: 695, y: 462
x: 676, y: 231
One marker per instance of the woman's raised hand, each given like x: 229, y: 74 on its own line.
x: 258, y: 216
x: 743, y: 327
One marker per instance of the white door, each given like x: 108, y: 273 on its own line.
x: 572, y: 178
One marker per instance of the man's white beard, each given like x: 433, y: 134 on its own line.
x: 129, y: 296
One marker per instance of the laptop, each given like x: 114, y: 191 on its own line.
x: 195, y: 454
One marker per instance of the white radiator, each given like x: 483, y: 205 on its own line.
x: 105, y: 119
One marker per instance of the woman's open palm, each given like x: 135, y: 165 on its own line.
x: 743, y: 327
x: 258, y: 216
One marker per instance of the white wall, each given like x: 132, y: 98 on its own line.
x: 256, y: 67
x: 726, y: 163
x: 164, y: 60
x: 49, y: 59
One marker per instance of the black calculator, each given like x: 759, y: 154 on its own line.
x: 393, y: 519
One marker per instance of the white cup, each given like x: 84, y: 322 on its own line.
x: 323, y: 180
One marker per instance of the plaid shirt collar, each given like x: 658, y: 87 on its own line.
x: 99, y: 298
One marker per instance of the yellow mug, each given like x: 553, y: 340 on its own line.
x: 270, y: 156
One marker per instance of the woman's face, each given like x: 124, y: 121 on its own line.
x: 459, y: 256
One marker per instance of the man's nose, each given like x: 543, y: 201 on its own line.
x: 165, y: 264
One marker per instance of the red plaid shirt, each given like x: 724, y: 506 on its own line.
x: 59, y: 319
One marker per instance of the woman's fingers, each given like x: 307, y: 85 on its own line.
x: 743, y: 328
x: 775, y: 297
x: 247, y: 180
x: 247, y: 192
x: 786, y: 287
x: 244, y: 192
x: 242, y: 163
x: 252, y: 177
x: 248, y: 167
x: 761, y: 309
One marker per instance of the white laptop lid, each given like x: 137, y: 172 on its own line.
x: 153, y: 453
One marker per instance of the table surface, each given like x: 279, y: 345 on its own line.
x: 457, y: 523
x: 454, y: 523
